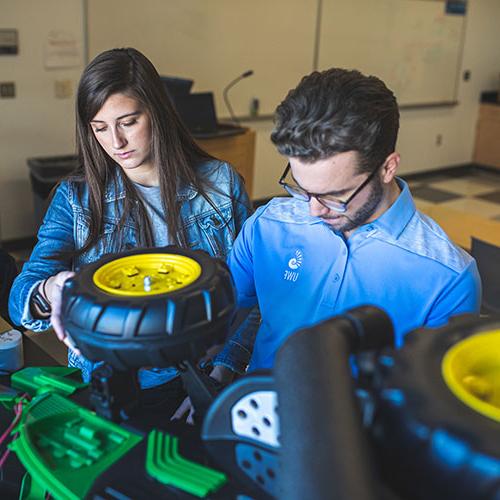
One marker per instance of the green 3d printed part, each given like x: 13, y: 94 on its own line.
x: 164, y: 463
x: 34, y: 380
x: 66, y: 447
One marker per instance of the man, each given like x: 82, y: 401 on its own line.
x: 349, y: 234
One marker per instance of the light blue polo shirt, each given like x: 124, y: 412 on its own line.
x: 302, y: 272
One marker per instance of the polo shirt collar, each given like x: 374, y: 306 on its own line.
x: 394, y: 220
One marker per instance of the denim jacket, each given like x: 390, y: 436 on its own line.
x: 66, y: 226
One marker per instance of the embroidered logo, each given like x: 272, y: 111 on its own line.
x: 294, y: 263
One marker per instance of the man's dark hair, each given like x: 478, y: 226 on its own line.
x: 335, y: 111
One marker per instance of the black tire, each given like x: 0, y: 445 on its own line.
x: 430, y: 443
x: 155, y: 330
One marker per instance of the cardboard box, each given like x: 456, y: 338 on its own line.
x: 4, y: 326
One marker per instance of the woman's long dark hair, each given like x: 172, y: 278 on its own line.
x: 173, y: 150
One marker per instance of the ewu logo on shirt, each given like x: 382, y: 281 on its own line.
x: 292, y: 273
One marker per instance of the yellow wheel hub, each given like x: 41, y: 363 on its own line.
x: 147, y: 274
x: 471, y: 369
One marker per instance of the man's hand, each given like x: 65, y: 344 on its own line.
x: 221, y: 374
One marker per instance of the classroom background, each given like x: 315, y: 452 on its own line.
x: 442, y: 58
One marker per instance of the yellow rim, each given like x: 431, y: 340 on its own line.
x: 471, y: 369
x: 147, y: 274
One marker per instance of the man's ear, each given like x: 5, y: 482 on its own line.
x: 390, y: 167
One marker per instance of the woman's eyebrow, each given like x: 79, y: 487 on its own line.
x: 134, y: 113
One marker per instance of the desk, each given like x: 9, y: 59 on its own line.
x: 44, y: 349
x: 238, y: 150
x: 40, y: 349
x: 462, y: 226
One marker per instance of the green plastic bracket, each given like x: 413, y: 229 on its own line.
x: 37, y: 379
x: 31, y: 490
x: 61, y: 440
x: 164, y: 463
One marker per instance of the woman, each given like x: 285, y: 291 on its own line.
x: 142, y: 182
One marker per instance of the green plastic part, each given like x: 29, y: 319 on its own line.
x: 31, y: 490
x: 164, y: 463
x: 37, y: 379
x: 66, y: 447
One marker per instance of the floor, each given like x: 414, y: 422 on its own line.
x: 475, y: 191
x: 464, y: 201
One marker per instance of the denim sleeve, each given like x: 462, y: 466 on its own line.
x: 239, y: 346
x: 56, y: 234
x: 242, y: 206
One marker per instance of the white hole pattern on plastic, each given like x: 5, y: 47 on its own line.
x: 255, y: 416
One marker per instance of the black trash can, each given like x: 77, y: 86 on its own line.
x: 45, y: 173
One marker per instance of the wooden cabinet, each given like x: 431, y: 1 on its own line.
x: 487, y: 148
x: 238, y: 150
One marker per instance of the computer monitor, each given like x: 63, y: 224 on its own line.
x: 176, y: 86
x: 197, y: 111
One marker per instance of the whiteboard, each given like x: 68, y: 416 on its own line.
x: 412, y: 45
x: 214, y: 41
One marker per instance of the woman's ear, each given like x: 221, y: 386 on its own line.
x: 390, y: 167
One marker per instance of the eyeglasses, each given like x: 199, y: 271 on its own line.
x: 326, y: 199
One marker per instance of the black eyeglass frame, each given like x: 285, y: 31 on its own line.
x: 342, y: 205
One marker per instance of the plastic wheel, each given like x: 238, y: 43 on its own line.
x: 437, y: 425
x: 154, y: 307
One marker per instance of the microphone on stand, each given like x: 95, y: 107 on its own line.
x: 226, y: 90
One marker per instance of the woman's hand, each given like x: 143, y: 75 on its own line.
x: 53, y: 290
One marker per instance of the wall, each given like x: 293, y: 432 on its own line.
x: 214, y: 41
x: 35, y: 123
x: 38, y: 124
x: 420, y: 127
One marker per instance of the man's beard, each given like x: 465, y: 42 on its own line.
x: 365, y: 212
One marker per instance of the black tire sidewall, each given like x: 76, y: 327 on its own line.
x: 82, y: 294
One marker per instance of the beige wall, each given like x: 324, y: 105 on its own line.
x: 37, y: 124
x: 419, y: 128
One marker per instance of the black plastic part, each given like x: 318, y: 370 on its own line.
x: 113, y: 393
x: 201, y: 388
x: 371, y: 328
x: 430, y: 445
x: 132, y: 332
x: 325, y: 453
x: 128, y: 478
x: 225, y: 446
